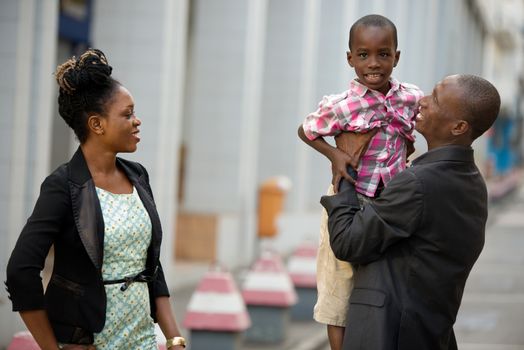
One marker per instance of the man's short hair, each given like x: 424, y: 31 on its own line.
x: 481, y: 103
x: 374, y: 21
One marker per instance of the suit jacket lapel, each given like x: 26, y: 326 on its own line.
x: 142, y: 186
x: 86, y: 208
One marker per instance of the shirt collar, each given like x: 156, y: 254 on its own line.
x: 395, y: 85
x: 360, y: 89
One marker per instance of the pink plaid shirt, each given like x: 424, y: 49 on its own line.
x: 360, y: 110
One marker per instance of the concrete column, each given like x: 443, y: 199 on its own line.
x: 489, y: 72
x: 350, y: 15
x: 250, y: 120
x: 33, y: 44
x: 459, y: 19
x: 44, y: 103
x: 173, y: 61
x: 379, y: 6
x: 401, y: 22
x: 430, y: 63
x: 15, y: 97
x: 22, y: 103
x: 307, y: 93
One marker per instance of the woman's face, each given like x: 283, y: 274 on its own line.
x: 120, y: 124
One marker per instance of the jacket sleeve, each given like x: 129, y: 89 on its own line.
x: 161, y: 289
x: 362, y: 236
x: 27, y: 260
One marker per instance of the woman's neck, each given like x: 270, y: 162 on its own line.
x: 103, y: 169
x: 99, y: 161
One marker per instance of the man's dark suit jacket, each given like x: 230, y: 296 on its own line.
x: 413, y: 249
x: 68, y: 215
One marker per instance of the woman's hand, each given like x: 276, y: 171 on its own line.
x: 166, y: 320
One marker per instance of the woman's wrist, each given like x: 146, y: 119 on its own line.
x: 175, y: 343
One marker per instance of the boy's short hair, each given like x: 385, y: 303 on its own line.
x: 481, y: 103
x: 374, y: 21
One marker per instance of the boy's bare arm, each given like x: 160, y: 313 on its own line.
x: 319, y: 144
x: 339, y: 159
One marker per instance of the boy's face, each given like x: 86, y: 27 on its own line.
x: 373, y: 55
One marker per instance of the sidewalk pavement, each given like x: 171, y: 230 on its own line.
x: 492, y: 311
x: 309, y: 335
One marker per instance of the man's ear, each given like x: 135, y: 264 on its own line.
x: 397, y: 57
x: 460, y: 128
x: 349, y: 57
x: 95, y: 123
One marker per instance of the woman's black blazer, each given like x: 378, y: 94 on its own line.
x: 68, y: 215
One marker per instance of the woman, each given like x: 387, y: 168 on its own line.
x: 107, y: 286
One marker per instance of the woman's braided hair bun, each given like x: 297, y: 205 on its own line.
x: 85, y: 86
x: 90, y: 68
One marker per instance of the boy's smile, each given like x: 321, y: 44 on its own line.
x: 373, y: 55
x: 373, y: 78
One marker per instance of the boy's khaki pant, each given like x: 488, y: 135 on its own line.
x: 334, y: 278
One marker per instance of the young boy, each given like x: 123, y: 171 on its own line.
x: 373, y: 123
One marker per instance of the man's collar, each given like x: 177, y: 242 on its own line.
x: 450, y: 152
x: 360, y: 89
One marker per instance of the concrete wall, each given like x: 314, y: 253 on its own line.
x: 213, y: 104
x: 27, y: 53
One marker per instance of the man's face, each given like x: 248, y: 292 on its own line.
x: 440, y: 112
x: 373, y: 55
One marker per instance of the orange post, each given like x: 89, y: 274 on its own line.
x: 270, y: 204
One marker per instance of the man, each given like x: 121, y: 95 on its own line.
x: 416, y: 244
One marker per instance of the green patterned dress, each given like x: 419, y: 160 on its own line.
x: 126, y: 240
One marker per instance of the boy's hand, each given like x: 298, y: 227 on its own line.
x: 339, y: 163
x: 344, y: 185
x: 78, y: 347
x: 352, y: 146
x: 410, y: 148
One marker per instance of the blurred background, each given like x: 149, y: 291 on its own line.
x: 221, y: 87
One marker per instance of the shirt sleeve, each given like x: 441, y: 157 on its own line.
x: 342, y: 112
x: 325, y: 121
x: 362, y: 236
x: 410, y: 108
